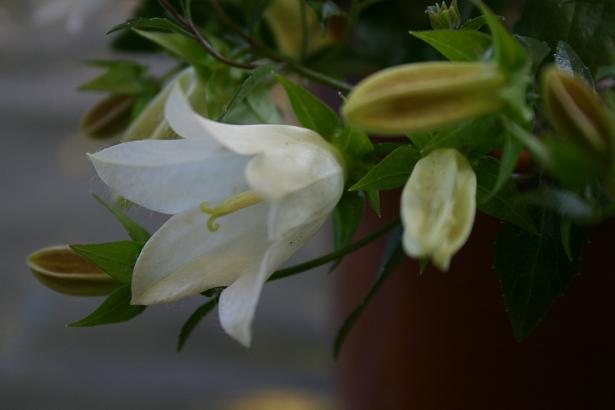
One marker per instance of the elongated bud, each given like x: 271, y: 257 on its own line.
x: 421, y: 96
x: 577, y: 113
x: 438, y: 205
x: 63, y: 270
x: 444, y: 17
x: 150, y: 123
x: 109, y: 117
x: 285, y: 21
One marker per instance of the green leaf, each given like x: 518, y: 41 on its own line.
x: 509, y: 54
x: 355, y: 146
x: 311, y: 112
x: 120, y: 77
x: 255, y: 79
x: 505, y: 204
x: 154, y: 23
x: 117, y: 259
x: 346, y: 218
x: 586, y: 25
x: 393, y: 254
x: 564, y: 203
x: 194, y: 319
x: 135, y: 231
x: 568, y: 60
x: 116, y: 308
x: 475, y: 23
x: 536, y: 50
x: 535, y: 270
x: 456, y: 45
x: 474, y: 138
x: 373, y: 199
x: 510, y: 155
x: 390, y: 173
x: 181, y: 46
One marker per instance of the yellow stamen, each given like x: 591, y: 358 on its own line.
x: 233, y: 204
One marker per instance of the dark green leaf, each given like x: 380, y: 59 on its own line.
x: 534, y: 270
x: 510, y: 155
x: 393, y: 254
x: 390, y: 173
x: 185, y: 48
x: 116, y: 308
x: 135, y: 231
x: 194, y: 319
x: 311, y: 112
x: 115, y: 258
x: 345, y: 219
x: 536, y: 50
x: 568, y: 60
x: 474, y: 24
x: 373, y: 199
x: 154, y: 23
x: 565, y: 203
x: 456, y: 45
x: 255, y: 79
x: 505, y: 204
x: 120, y: 77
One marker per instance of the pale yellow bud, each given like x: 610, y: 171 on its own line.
x: 438, y: 205
x: 63, y: 270
x: 422, y: 96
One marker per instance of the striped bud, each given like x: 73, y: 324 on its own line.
x: 422, y: 96
x: 63, y: 270
x: 577, y: 113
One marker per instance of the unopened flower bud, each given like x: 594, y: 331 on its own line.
x: 63, y: 270
x: 109, y: 117
x: 151, y: 124
x: 577, y: 113
x: 421, y: 96
x: 444, y: 17
x: 438, y: 205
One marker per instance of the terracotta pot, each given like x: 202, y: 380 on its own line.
x: 444, y: 341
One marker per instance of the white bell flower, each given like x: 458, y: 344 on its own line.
x: 438, y: 206
x: 244, y: 198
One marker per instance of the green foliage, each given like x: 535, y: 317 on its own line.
x: 390, y: 173
x: 311, y: 112
x: 504, y: 204
x: 568, y: 60
x: 194, y: 319
x: 136, y: 232
x: 456, y: 45
x: 121, y: 77
x: 117, y: 259
x: 535, y: 270
x: 154, y: 24
x: 346, y: 218
x: 115, y: 309
x: 393, y: 254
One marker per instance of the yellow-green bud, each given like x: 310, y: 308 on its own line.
x: 109, y: 117
x: 422, y: 96
x: 444, y: 17
x: 577, y: 113
x: 63, y: 270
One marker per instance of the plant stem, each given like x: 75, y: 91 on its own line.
x: 314, y: 263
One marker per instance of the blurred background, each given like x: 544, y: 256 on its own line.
x: 46, y: 200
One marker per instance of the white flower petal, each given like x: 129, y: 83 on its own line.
x: 183, y: 258
x: 238, y: 301
x: 438, y: 206
x: 170, y: 176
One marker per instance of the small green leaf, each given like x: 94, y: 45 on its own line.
x: 505, y: 204
x: 117, y: 259
x: 153, y: 23
x: 255, y: 79
x: 534, y: 271
x: 116, y: 308
x: 373, y: 199
x: 194, y: 319
x: 121, y: 77
x: 456, y: 45
x: 536, y: 50
x: 393, y: 254
x: 510, y: 155
x: 181, y: 46
x: 509, y: 54
x: 474, y: 24
x: 311, y: 112
x: 566, y: 59
x: 346, y: 218
x: 390, y: 173
x: 135, y: 231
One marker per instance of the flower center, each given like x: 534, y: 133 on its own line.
x: 232, y: 204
